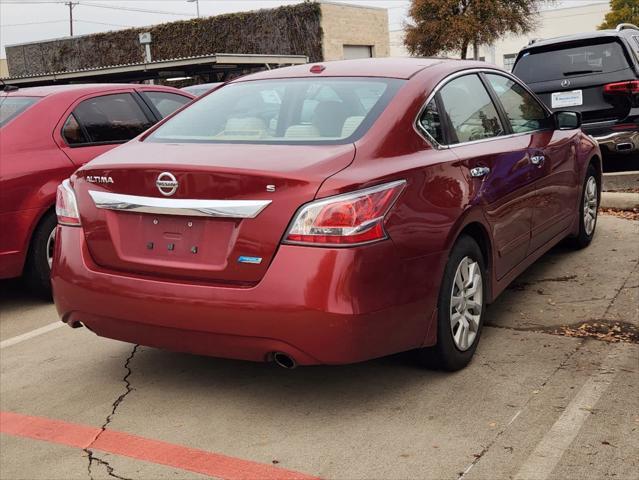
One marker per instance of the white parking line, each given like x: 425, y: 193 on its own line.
x: 543, y: 460
x: 26, y: 336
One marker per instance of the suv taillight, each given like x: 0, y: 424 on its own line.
x: 66, y: 206
x: 622, y: 88
x: 345, y: 220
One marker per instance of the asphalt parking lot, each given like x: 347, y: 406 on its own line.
x: 545, y: 396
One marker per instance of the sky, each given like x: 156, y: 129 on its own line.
x: 32, y: 20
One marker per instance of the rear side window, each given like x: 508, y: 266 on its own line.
x: 166, y: 103
x: 471, y: 111
x: 72, y: 132
x: 11, y: 107
x: 568, y: 62
x: 111, y: 118
x: 431, y: 122
x: 524, y: 113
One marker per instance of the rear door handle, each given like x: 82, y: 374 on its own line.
x: 537, y: 159
x: 479, y: 171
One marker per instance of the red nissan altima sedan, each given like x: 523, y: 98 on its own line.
x: 46, y: 133
x: 325, y: 214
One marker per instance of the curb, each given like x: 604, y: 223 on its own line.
x: 620, y: 180
x: 619, y: 200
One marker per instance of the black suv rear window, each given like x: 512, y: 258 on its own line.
x: 11, y: 107
x: 559, y: 63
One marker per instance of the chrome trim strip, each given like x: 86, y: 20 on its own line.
x: 426, y: 136
x: 177, y: 206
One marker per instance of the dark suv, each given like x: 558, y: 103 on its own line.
x: 596, y: 74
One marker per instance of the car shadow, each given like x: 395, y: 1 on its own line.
x: 15, y: 294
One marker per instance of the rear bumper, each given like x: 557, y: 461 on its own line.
x: 619, y: 142
x: 320, y: 306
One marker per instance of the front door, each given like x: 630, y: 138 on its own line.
x: 552, y: 157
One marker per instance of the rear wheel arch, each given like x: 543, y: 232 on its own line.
x: 37, y: 263
x: 36, y: 223
x: 478, y: 232
x: 595, y: 162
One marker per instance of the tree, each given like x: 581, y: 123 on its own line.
x: 452, y: 25
x: 621, y: 11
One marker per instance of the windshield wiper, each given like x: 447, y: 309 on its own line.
x: 580, y: 72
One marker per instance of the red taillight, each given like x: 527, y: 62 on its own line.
x: 349, y: 219
x: 66, y: 206
x: 622, y: 88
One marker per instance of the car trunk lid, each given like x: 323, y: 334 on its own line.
x: 224, y: 221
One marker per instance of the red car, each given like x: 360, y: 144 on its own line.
x: 325, y: 214
x: 48, y: 132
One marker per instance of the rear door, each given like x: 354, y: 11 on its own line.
x: 98, y: 123
x: 572, y: 76
x: 497, y: 166
x: 551, y: 155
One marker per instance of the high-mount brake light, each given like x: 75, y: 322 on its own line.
x: 66, y: 206
x: 345, y: 220
x: 630, y: 87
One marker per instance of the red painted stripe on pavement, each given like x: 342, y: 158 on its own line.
x: 140, y: 448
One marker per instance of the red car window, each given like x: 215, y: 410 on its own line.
x: 11, y: 107
x: 297, y: 110
x: 72, y: 132
x: 112, y: 118
x: 525, y: 114
x: 470, y: 109
x: 166, y: 103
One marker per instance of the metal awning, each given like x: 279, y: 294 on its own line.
x: 176, y: 67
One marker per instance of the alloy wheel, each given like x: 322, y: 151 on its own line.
x: 590, y: 205
x: 466, y: 303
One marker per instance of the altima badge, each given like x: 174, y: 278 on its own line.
x: 167, y: 184
x: 98, y: 179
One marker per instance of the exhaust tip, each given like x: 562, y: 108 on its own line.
x: 624, y: 147
x: 283, y: 360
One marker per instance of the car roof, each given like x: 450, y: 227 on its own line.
x: 580, y: 36
x: 83, y: 88
x: 390, y: 67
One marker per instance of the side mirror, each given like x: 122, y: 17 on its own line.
x: 567, y: 120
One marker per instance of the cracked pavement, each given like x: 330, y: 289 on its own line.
x: 90, y: 454
x: 522, y: 394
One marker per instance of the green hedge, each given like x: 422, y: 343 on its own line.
x: 288, y: 30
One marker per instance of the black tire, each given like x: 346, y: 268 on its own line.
x: 583, y: 238
x: 445, y: 355
x: 37, y: 271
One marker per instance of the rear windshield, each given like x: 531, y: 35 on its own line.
x: 299, y: 110
x: 570, y: 62
x: 11, y: 107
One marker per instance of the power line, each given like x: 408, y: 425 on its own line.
x: 96, y: 5
x: 133, y: 9
x: 104, y: 23
x: 31, y: 23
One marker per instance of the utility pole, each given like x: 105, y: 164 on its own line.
x: 71, y: 5
x: 197, y: 6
